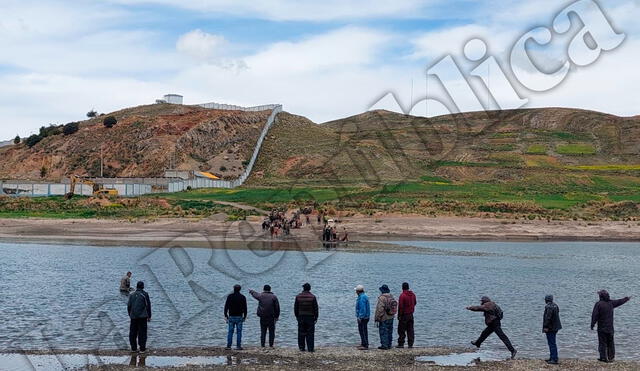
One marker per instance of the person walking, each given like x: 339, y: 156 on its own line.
x: 235, y: 313
x: 306, y: 311
x: 386, y: 309
x: 363, y: 313
x: 492, y: 317
x: 603, y: 315
x: 406, y: 306
x: 269, y: 313
x: 139, y: 309
x: 125, y: 283
x: 550, y: 326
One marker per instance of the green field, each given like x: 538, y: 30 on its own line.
x: 576, y: 149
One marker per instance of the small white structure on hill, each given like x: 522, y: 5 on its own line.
x: 171, y: 99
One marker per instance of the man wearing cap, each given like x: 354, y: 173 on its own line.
x: 305, y: 309
x: 363, y: 312
x: 139, y: 309
x: 269, y: 312
x: 550, y: 326
x: 235, y: 313
x: 386, y: 309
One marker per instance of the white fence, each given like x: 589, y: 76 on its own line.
x: 60, y: 189
x: 128, y: 188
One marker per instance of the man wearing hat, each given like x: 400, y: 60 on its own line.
x: 386, y: 309
x: 363, y: 312
x: 306, y: 312
x: 550, y: 326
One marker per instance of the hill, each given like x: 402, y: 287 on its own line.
x: 378, y: 147
x: 145, y: 141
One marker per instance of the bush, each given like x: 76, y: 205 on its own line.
x: 17, y: 140
x: 223, y: 168
x: 43, y: 171
x: 51, y: 130
x: 92, y: 114
x: 110, y: 121
x: 70, y: 128
x: 33, y: 140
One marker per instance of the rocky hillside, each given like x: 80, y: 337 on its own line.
x: 145, y: 141
x: 381, y: 146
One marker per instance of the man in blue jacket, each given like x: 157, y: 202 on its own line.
x: 363, y: 312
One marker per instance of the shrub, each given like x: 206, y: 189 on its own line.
x: 110, y: 121
x: 92, y: 114
x: 17, y: 140
x: 70, y: 128
x: 33, y: 140
x: 43, y: 171
x: 47, y: 131
x: 223, y: 168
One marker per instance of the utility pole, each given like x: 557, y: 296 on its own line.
x: 101, y: 161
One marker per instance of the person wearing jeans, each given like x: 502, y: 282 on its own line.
x: 386, y: 309
x: 363, y: 312
x: 235, y: 312
x: 550, y: 326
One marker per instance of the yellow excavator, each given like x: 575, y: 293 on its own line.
x: 98, y: 189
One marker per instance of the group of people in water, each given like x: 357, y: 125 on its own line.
x: 387, y: 308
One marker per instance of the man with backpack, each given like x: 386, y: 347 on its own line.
x: 139, y: 309
x: 603, y: 315
x: 550, y: 326
x: 386, y: 309
x: 269, y: 312
x: 492, y: 316
x: 406, y: 306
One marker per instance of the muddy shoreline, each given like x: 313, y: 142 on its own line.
x: 217, y: 233
x: 334, y: 358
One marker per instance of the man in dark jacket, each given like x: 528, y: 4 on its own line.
x: 550, y: 326
x: 603, y: 316
x: 269, y: 312
x: 139, y: 309
x: 306, y: 312
x: 235, y: 313
x: 492, y: 318
x: 406, y: 306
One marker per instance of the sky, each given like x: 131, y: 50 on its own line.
x: 321, y: 59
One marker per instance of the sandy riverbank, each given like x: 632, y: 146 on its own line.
x: 219, y: 233
x: 327, y: 358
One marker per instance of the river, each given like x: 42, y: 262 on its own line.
x: 66, y: 297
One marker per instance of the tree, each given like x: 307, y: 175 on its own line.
x: 33, y: 140
x: 17, y: 140
x: 110, y: 121
x: 92, y: 114
x: 70, y: 128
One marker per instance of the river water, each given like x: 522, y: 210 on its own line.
x: 66, y: 297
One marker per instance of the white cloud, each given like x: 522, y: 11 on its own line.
x: 201, y: 45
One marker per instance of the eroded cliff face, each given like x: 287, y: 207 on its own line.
x: 145, y: 141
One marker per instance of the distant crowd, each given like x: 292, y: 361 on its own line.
x: 387, y: 309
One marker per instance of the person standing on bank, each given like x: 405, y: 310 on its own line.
x: 305, y: 309
x: 603, y: 316
x: 492, y: 317
x: 386, y: 309
x: 363, y: 312
x: 235, y: 313
x: 550, y: 326
x: 406, y: 306
x: 269, y: 312
x: 139, y: 309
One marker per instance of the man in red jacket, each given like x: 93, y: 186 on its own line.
x: 406, y: 306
